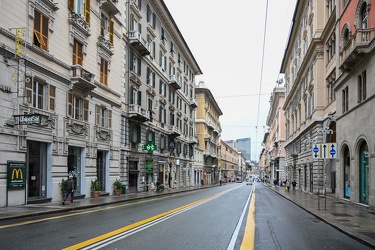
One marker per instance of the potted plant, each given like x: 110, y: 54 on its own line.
x: 63, y: 189
x: 95, y: 188
x: 117, y: 185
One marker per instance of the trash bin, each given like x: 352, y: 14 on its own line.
x: 123, y: 189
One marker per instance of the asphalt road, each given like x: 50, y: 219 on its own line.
x: 280, y: 224
x: 215, y: 218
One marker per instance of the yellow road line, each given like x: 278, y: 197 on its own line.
x: 248, y: 238
x: 137, y: 224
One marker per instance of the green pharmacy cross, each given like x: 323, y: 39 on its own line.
x: 150, y: 146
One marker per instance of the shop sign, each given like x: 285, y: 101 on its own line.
x: 28, y: 119
x: 150, y: 146
x: 149, y: 167
x: 16, y: 173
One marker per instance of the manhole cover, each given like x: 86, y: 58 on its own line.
x: 341, y: 215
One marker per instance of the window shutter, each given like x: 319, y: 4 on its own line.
x: 138, y: 134
x: 70, y: 105
x: 71, y: 5
x: 97, y: 114
x: 110, y: 31
x: 154, y: 20
x: 109, y: 118
x: 87, y: 11
x: 148, y: 13
x: 160, y: 86
x: 131, y: 60
x: 139, y: 66
x: 52, y: 95
x: 153, y: 79
x: 85, y: 110
x: 139, y: 99
x: 132, y: 134
x: 153, y: 136
x: 148, y: 74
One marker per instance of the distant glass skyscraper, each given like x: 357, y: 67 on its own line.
x: 243, y: 145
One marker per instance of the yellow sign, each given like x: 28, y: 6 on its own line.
x: 17, y: 172
x: 20, y: 42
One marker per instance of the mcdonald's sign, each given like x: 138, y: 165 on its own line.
x: 16, y: 173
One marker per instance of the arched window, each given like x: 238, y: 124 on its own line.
x: 364, y: 16
x: 346, y: 36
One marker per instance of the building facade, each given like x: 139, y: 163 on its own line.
x: 97, y: 89
x: 244, y: 145
x: 160, y: 100
x: 309, y: 65
x: 276, y: 124
x: 231, y: 163
x: 208, y: 130
x: 355, y: 92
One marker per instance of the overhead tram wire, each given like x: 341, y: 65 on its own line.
x: 261, y: 71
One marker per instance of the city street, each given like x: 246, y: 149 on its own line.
x: 213, y: 218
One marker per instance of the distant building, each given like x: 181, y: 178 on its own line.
x: 243, y: 145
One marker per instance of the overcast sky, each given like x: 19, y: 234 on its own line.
x: 226, y: 39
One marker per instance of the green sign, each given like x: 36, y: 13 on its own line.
x: 150, y: 146
x: 16, y: 173
x: 149, y: 167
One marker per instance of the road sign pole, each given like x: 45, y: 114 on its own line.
x: 318, y: 185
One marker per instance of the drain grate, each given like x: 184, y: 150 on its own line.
x: 341, y: 215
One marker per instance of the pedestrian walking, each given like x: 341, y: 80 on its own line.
x: 69, y: 189
x: 287, y: 185
x: 294, y: 183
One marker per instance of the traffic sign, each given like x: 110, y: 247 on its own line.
x: 324, y: 151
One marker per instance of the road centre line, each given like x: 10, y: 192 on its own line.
x: 111, y: 237
x: 236, y: 231
x: 249, y: 234
x: 85, y: 212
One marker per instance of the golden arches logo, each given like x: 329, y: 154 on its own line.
x: 17, y: 173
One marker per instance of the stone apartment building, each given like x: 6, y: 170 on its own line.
x: 328, y: 67
x: 231, y: 163
x: 208, y: 131
x: 355, y: 91
x: 309, y: 65
x: 97, y: 89
x: 276, y: 136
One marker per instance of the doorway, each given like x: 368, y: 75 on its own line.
x: 101, y: 168
x: 37, y: 170
x: 364, y: 177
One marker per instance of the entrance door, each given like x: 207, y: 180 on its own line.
x: 37, y: 169
x: 346, y: 176
x: 101, y: 168
x: 74, y: 167
x: 364, y: 176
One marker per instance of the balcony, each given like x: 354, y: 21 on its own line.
x: 81, y: 78
x: 138, y: 43
x: 193, y: 140
x: 105, y: 45
x: 174, y: 131
x: 137, y: 113
x: 79, y: 23
x: 109, y: 6
x: 174, y: 82
x: 193, y: 103
x: 360, y: 44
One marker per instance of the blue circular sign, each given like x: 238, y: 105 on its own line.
x: 316, y: 150
x: 332, y: 152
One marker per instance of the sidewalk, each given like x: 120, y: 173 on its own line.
x: 354, y: 220
x: 30, y: 210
